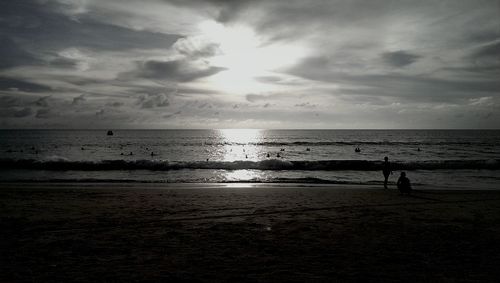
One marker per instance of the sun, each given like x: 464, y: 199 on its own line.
x: 246, y: 56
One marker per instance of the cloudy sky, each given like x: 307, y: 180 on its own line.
x: 249, y: 64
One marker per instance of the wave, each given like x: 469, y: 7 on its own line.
x: 269, y: 164
x: 305, y: 180
x: 342, y: 143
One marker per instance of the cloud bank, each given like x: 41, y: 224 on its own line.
x: 251, y: 63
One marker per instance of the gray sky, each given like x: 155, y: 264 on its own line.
x: 249, y: 64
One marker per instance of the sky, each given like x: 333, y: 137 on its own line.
x: 319, y: 64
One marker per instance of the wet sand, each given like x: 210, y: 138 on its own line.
x: 240, y: 233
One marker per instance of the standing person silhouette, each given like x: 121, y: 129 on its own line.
x: 386, y: 170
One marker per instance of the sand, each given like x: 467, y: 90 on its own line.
x: 244, y: 233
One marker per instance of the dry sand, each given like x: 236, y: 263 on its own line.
x: 266, y: 233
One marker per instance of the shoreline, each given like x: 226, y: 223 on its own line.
x: 237, y: 184
x: 215, y: 232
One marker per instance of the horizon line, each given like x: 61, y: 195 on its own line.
x: 264, y: 129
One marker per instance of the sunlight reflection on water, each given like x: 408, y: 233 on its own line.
x: 243, y: 175
x: 240, y: 144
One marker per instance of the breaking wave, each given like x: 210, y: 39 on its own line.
x: 341, y: 143
x: 270, y: 164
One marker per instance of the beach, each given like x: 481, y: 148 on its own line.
x: 118, y: 232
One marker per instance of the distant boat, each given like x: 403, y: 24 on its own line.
x: 110, y: 133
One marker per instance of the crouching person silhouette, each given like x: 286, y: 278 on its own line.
x: 404, y: 185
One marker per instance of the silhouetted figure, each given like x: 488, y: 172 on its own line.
x: 418, y: 149
x: 308, y: 149
x: 357, y: 149
x: 404, y: 185
x: 207, y: 159
x: 278, y: 155
x: 131, y: 153
x: 82, y: 148
x: 268, y: 155
x: 386, y: 170
x: 110, y: 133
x: 246, y: 155
x: 152, y: 153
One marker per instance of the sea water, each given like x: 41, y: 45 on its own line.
x: 468, y: 159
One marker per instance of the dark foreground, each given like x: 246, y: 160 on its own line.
x: 196, y: 233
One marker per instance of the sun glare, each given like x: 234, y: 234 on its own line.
x: 241, y: 136
x: 246, y: 56
x: 241, y: 144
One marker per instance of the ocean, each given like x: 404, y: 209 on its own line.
x: 458, y: 159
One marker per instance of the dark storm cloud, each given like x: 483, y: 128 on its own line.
x: 172, y: 114
x: 42, y: 101
x: 297, y: 18
x: 8, y: 101
x: 26, y: 111
x: 101, y: 112
x: 78, y: 100
x: 420, y: 88
x: 41, y: 27
x: 7, y: 83
x: 13, y: 55
x: 488, y: 52
x: 483, y: 36
x: 288, y: 19
x: 44, y: 113
x: 15, y: 112
x: 426, y: 87
x: 115, y: 104
x: 19, y: 101
x: 175, y: 70
x: 476, y: 70
x: 153, y: 100
x: 395, y: 84
x: 399, y: 58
